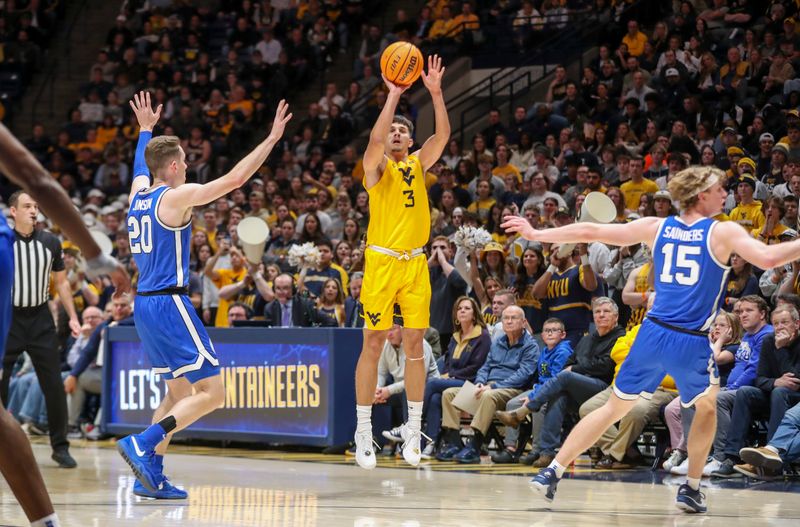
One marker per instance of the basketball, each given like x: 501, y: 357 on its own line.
x: 401, y: 63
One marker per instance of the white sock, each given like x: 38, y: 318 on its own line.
x: 415, y: 415
x: 363, y: 418
x: 47, y: 521
x: 555, y: 465
x: 773, y: 449
x: 694, y: 483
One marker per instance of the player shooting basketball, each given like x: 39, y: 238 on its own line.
x: 160, y: 228
x: 396, y: 270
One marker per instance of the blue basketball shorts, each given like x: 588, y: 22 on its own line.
x: 658, y: 351
x: 174, y: 338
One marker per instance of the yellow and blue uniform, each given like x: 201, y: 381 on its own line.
x: 395, y: 268
x: 570, y: 302
x: 535, y: 313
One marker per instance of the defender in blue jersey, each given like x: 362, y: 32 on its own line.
x: 16, y: 457
x: 159, y: 228
x: 689, y: 282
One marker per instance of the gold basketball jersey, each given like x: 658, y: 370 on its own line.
x: 400, y: 218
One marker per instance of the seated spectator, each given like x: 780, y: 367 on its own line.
x: 331, y: 302
x: 767, y: 462
x: 618, y: 442
x: 507, y: 370
x: 465, y: 355
x: 753, y: 312
x: 776, y: 384
x: 391, y: 390
x: 353, y: 308
x: 86, y: 375
x: 588, y: 371
x: 741, y: 282
x: 725, y: 335
x: 291, y: 309
x: 238, y: 312
x: 552, y: 360
x: 225, y: 276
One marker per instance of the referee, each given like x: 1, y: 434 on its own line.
x: 36, y: 254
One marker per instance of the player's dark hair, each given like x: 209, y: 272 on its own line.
x: 399, y: 119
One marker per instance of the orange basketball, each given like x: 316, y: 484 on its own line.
x: 401, y: 63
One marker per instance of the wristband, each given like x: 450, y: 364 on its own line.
x: 100, y: 265
x: 552, y: 269
x: 584, y: 259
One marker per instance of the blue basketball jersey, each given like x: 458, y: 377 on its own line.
x: 689, y: 281
x: 161, y: 252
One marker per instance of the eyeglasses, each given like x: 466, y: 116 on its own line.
x: 551, y: 330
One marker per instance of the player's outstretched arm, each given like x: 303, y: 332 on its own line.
x: 639, y: 231
x: 192, y: 195
x: 22, y: 168
x: 432, y: 150
x: 373, y: 155
x: 147, y: 118
x: 757, y: 253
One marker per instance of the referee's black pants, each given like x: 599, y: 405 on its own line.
x: 33, y: 330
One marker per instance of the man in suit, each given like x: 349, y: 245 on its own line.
x: 289, y: 309
x: 353, y: 309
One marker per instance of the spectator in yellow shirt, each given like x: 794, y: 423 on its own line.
x: 634, y: 39
x: 485, y: 201
x: 443, y: 27
x: 638, y: 185
x: 223, y: 277
x: 503, y: 166
x: 774, y: 231
x: 466, y: 20
x: 748, y: 213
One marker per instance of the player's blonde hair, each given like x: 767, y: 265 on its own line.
x: 688, y: 183
x: 160, y: 151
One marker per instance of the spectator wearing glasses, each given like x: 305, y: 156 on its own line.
x: 507, y: 370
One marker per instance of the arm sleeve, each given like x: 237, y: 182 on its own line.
x: 139, y: 164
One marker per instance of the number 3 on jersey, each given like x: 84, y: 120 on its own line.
x: 409, y: 194
x: 140, y: 234
x: 687, y: 269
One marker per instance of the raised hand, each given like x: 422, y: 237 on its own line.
x: 395, y: 89
x: 143, y: 109
x: 520, y: 225
x: 433, y: 78
x: 281, y: 118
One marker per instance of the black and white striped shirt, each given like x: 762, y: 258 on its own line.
x: 35, y: 256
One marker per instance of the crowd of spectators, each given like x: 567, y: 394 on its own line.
x: 705, y: 84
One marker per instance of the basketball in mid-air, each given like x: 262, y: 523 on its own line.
x: 401, y: 63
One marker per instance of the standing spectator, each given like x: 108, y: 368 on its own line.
x: 446, y: 286
x: 313, y: 279
x: 638, y: 185
x: 568, y: 289
x: 748, y: 213
x: 331, y: 302
x: 32, y: 327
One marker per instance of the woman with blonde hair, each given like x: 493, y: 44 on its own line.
x: 725, y: 335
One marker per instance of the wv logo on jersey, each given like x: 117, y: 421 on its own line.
x: 373, y: 317
x: 408, y: 177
